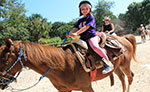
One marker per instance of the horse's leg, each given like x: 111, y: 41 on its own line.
x: 130, y: 75
x: 144, y: 37
x: 141, y: 38
x: 149, y: 35
x: 121, y: 76
x: 64, y: 91
x: 111, y: 79
x: 87, y: 89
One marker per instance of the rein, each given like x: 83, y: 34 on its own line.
x: 19, y: 90
x: 63, y: 44
x: 6, y: 80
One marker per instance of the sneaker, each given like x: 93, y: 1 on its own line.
x: 107, y: 69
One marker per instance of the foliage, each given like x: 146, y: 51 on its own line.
x: 55, y: 41
x: 102, y: 9
x: 50, y: 40
x: 14, y: 21
x: 16, y: 25
x: 63, y: 30
x: 54, y: 28
x: 38, y: 27
x: 60, y: 28
x: 137, y: 13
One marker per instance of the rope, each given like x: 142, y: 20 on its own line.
x: 63, y: 44
x: 44, y: 74
x: 19, y: 90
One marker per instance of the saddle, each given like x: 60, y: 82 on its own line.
x: 114, y: 46
x: 91, y: 60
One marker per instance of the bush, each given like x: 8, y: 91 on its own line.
x: 56, y: 41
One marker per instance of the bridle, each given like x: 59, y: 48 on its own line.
x: 5, y: 80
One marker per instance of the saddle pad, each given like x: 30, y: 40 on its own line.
x: 112, y: 43
x: 81, y: 43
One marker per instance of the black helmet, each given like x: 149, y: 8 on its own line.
x: 84, y: 2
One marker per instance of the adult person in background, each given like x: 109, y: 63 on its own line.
x: 148, y: 30
x: 142, y: 28
x: 108, y: 27
x: 142, y: 33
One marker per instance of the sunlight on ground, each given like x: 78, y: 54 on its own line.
x: 146, y: 66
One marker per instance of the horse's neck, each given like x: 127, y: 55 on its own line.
x: 41, y: 58
x: 39, y: 69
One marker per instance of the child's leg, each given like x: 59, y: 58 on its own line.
x: 95, y: 46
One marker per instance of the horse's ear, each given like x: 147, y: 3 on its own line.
x: 8, y: 42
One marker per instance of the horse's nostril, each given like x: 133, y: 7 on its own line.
x: 3, y: 87
x: 3, y: 73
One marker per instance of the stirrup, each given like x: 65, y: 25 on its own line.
x: 107, y: 69
x: 107, y: 62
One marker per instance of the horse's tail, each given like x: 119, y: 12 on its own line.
x: 131, y: 38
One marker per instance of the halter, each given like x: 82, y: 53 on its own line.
x: 7, y: 81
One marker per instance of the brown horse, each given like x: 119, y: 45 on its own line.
x: 65, y: 67
x: 143, y: 36
x: 121, y: 70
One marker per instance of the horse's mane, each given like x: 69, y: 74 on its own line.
x: 43, y: 54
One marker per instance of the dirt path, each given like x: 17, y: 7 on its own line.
x: 141, y: 82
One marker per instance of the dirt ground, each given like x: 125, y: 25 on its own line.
x: 141, y: 81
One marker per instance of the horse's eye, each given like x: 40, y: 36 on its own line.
x: 4, y: 57
x: 7, y: 55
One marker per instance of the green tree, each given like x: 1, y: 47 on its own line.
x: 137, y: 13
x: 59, y: 29
x: 38, y: 27
x: 145, y: 9
x: 134, y: 15
x: 102, y: 9
x: 2, y: 6
x: 54, y: 32
x: 63, y: 30
x: 14, y: 21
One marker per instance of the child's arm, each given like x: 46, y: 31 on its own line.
x: 83, y: 29
x: 74, y: 30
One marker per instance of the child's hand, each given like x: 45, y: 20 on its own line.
x: 67, y: 35
x: 73, y: 34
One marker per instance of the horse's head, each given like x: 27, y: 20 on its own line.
x: 8, y: 55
